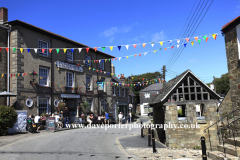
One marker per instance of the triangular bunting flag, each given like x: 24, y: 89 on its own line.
x: 72, y: 49
x: 192, y: 43
x: 207, y: 39
x: 111, y: 48
x: 161, y: 43
x: 165, y: 49
x: 196, y: 38
x: 79, y: 49
x: 127, y: 57
x: 14, y: 50
x: 64, y: 50
x: 28, y: 50
x: 7, y: 50
x: 140, y: 54
x: 50, y: 50
x: 87, y: 49
x: 185, y: 44
x: 172, y: 47
x: 35, y: 50
x: 204, y: 37
x: 127, y: 46
x: 154, y: 51
x: 57, y: 50
x: 134, y: 45
x: 119, y: 47
x: 199, y: 41
x: 120, y: 58
x: 21, y: 49
x: 95, y: 48
x: 103, y: 48
x: 144, y: 44
x: 170, y: 41
x: 43, y: 50
x: 178, y: 46
x: 214, y: 36
x: 178, y: 41
x: 152, y: 44
x: 187, y: 39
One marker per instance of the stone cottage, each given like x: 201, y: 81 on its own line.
x: 186, y: 102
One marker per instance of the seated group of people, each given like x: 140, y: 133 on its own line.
x: 104, y: 119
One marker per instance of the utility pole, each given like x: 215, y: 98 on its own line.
x: 164, y: 73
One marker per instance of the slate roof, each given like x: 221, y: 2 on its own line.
x: 233, y: 22
x: 173, y: 83
x: 153, y: 87
x: 27, y: 25
x: 116, y: 79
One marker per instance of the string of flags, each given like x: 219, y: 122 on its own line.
x: 15, y: 74
x: 196, y: 38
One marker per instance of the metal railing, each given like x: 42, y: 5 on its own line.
x: 216, y: 123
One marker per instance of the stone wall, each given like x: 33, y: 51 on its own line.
x: 189, y: 136
x: 3, y: 62
x: 226, y: 105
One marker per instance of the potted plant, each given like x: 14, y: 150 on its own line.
x: 60, y: 107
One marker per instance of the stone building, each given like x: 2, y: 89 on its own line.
x: 232, y: 38
x: 185, y: 100
x: 70, y: 74
x: 146, y: 96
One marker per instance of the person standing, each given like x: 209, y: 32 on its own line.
x: 120, y: 116
x: 106, y: 118
x: 130, y: 115
x: 66, y: 115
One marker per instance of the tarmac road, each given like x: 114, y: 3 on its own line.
x: 84, y: 143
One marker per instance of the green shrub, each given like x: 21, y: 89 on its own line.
x: 180, y: 112
x: 8, y: 116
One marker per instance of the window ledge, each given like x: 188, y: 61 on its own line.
x: 182, y: 118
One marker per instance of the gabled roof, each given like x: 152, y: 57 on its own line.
x: 27, y: 25
x: 172, y: 84
x: 230, y: 24
x: 153, y: 87
x: 116, y: 79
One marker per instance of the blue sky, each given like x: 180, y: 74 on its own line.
x: 113, y: 23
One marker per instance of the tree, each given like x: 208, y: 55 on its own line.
x: 139, y: 78
x: 222, y: 84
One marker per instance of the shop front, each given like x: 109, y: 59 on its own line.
x: 71, y: 101
x: 123, y: 107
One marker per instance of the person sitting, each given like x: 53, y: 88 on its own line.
x: 91, y: 117
x: 95, y: 119
x: 58, y: 123
x: 88, y: 120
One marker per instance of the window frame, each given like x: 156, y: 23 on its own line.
x: 47, y: 79
x: 67, y: 79
x: 119, y: 91
x: 114, y: 91
x: 90, y: 83
x: 69, y: 51
x: 103, y: 65
x: 40, y: 48
x: 86, y: 59
x: 39, y: 107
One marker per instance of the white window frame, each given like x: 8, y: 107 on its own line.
x: 101, y: 65
x: 90, y: 83
x: 88, y: 58
x: 69, y: 55
x: 40, y: 48
x: 119, y: 91
x: 67, y: 79
x: 40, y: 75
x: 39, y: 105
x: 114, y: 90
x: 238, y: 39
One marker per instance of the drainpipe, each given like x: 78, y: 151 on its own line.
x: 8, y: 79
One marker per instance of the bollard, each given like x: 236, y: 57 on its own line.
x: 153, y: 142
x: 141, y: 130
x: 149, y: 135
x: 204, y: 153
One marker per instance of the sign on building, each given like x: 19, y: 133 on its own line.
x: 69, y: 66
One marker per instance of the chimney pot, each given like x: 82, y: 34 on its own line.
x: 3, y: 15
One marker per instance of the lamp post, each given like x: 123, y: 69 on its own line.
x: 33, y: 76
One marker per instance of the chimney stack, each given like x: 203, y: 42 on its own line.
x: 3, y: 15
x: 113, y: 70
x: 122, y: 78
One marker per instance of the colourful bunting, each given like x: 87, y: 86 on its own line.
x: 192, y: 43
x: 95, y: 48
x: 43, y: 50
x: 28, y: 50
x: 35, y: 50
x: 80, y: 49
x: 199, y: 41
x: 165, y: 49
x: 185, y: 44
x: 14, y: 50
x: 127, y: 46
x: 111, y: 48
x: 196, y: 38
x: 87, y: 49
x: 103, y: 48
x: 207, y: 39
x: 187, y: 39
x: 21, y: 49
x: 7, y: 49
x: 50, y: 50
x: 214, y: 36
x: 152, y: 44
x: 161, y: 43
x: 144, y: 44
x: 178, y: 41
x: 172, y: 47
x: 119, y: 47
x: 134, y: 45
x: 57, y: 50
x: 64, y: 50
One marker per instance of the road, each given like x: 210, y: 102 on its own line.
x: 85, y: 143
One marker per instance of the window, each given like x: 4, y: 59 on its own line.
x: 69, y: 79
x: 119, y: 91
x: 69, y: 55
x: 181, y: 111
x: 101, y: 65
x: 43, y: 105
x: 103, y: 80
x: 43, y: 76
x: 113, y: 90
x: 88, y: 82
x: 200, y: 111
x: 90, y: 104
x: 43, y: 45
x: 103, y: 106
x: 88, y: 61
x: 123, y: 92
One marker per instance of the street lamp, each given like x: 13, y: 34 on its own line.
x: 33, y: 76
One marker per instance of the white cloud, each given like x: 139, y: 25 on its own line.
x: 109, y: 32
x: 191, y: 61
x: 159, y: 36
x: 111, y: 40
